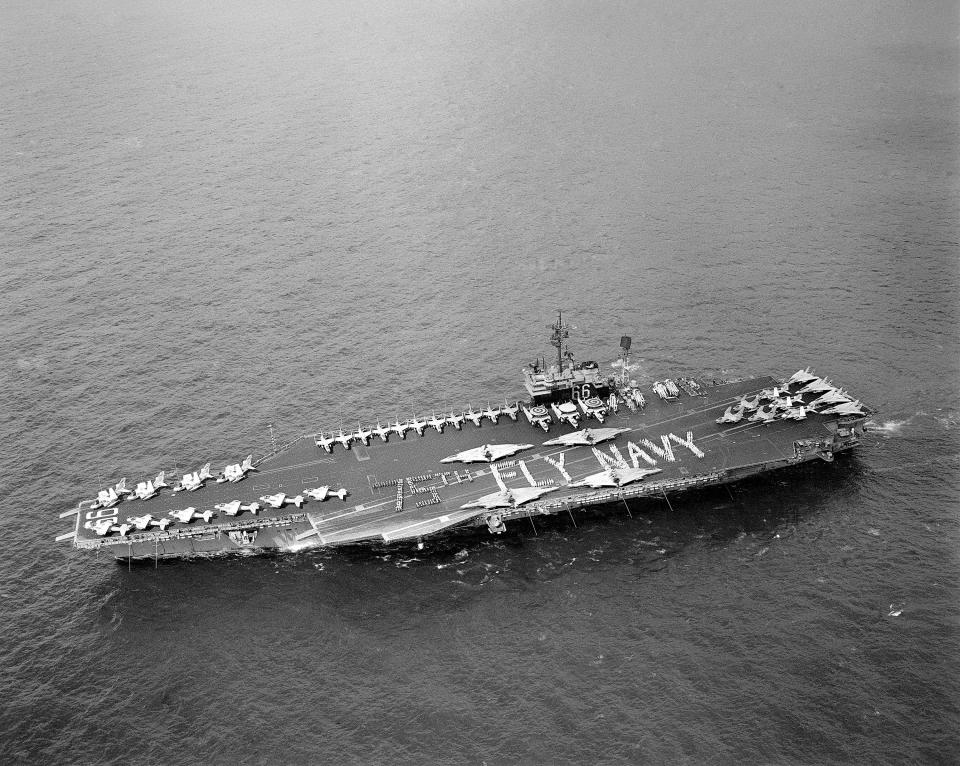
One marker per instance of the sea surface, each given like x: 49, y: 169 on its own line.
x: 222, y: 219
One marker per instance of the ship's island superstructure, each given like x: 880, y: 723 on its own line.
x: 582, y: 438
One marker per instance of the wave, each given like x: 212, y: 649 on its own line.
x: 890, y: 427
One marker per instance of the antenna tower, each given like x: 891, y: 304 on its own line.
x: 561, y: 332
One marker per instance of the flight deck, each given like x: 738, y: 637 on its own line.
x: 582, y: 438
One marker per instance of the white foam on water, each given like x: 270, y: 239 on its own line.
x: 890, y: 427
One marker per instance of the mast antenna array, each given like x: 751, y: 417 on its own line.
x: 561, y: 332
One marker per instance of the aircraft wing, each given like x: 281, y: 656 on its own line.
x: 499, y: 499
x: 510, y: 498
x: 488, y: 453
x: 616, y: 477
x: 586, y: 437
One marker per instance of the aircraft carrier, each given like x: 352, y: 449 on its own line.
x: 581, y: 437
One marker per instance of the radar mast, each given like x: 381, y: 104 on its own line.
x: 561, y: 332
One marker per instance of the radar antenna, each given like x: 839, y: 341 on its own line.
x: 561, y: 332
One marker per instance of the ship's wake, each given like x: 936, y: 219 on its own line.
x: 888, y: 428
x: 946, y: 420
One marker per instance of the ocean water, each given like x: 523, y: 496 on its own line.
x: 219, y: 219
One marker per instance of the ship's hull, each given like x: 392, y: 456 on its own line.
x: 400, y: 490
x: 288, y: 537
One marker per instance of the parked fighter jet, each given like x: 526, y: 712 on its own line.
x: 801, y: 376
x: 187, y: 515
x: 400, y: 429
x: 102, y: 527
x: 139, y: 522
x: 763, y: 415
x: 145, y: 490
x: 488, y: 453
x: 615, y: 477
x: 230, y: 509
x: 382, y: 431
x: 363, y: 434
x: 492, y: 414
x: 235, y: 508
x: 322, y: 493
x: 817, y: 386
x: 143, y: 522
x: 193, y: 481
x: 795, y: 413
x: 237, y: 471
x: 106, y: 498
x: 280, y: 499
x: 831, y: 397
x: 732, y: 414
x: 417, y: 424
x: 845, y: 408
x: 509, y: 498
x: 586, y: 437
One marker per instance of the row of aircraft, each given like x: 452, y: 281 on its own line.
x: 186, y: 515
x: 107, y: 498
x: 506, y: 497
x: 537, y: 415
x: 790, y: 406
x: 105, y: 526
x: 363, y: 435
x: 594, y: 407
x: 586, y: 437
